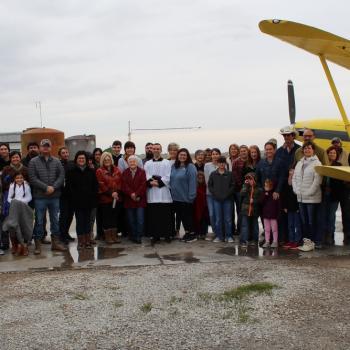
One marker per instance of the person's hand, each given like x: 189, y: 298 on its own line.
x: 275, y: 196
x: 133, y: 196
x: 285, y: 210
x: 115, y: 195
x: 50, y: 190
x: 154, y: 183
x: 251, y: 200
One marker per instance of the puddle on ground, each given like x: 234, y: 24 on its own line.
x: 97, y: 253
x: 255, y: 251
x: 187, y: 257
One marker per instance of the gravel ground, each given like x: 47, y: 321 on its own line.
x: 177, y: 307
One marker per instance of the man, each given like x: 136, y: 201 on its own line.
x: 116, y: 148
x: 66, y: 210
x: 148, y: 152
x: 4, y: 155
x: 309, y: 135
x: 46, y: 176
x: 343, y: 156
x: 286, y: 153
x: 32, y: 152
x: 159, y: 207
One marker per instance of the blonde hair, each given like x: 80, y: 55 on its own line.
x: 104, y: 156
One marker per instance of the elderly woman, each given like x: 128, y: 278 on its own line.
x: 233, y: 154
x: 109, y: 180
x: 81, y: 185
x: 134, y: 187
x: 173, y: 149
x: 307, y: 186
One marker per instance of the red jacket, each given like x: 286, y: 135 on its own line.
x: 237, y: 172
x: 135, y: 185
x: 200, y: 207
x: 108, y: 182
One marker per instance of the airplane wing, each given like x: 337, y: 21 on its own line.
x: 316, y: 41
x: 337, y: 172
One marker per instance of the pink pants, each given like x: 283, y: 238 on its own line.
x: 271, y: 224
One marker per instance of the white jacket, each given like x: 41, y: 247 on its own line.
x: 22, y: 193
x: 306, y: 182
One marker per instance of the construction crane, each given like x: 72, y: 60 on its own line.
x: 159, y: 129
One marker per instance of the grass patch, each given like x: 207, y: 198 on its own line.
x: 79, y: 296
x: 147, y: 307
x: 244, y: 291
x: 174, y: 300
x: 205, y: 296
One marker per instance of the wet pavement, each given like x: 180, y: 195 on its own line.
x: 130, y: 254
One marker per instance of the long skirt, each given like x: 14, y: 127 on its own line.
x: 159, y: 220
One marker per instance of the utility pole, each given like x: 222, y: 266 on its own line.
x: 38, y: 105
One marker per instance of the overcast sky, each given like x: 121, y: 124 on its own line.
x: 95, y: 65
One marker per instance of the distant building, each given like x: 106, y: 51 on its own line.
x: 13, y: 139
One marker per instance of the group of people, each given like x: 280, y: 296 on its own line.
x: 133, y: 197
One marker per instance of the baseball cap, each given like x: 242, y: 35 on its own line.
x: 336, y: 139
x: 45, y: 142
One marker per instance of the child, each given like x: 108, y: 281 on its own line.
x: 200, y: 212
x: 270, y: 213
x: 19, y: 222
x: 250, y: 200
x: 221, y: 187
x: 291, y: 207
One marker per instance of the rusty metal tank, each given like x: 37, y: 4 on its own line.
x: 80, y: 143
x: 37, y: 134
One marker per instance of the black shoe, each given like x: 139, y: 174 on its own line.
x: 154, y: 240
x: 69, y: 238
x: 186, y: 237
x: 168, y: 240
x: 191, y: 238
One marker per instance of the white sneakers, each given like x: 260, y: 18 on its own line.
x: 307, y: 246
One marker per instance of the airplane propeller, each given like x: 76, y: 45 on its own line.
x: 291, y: 102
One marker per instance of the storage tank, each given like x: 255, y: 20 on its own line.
x: 80, y: 143
x: 37, y: 134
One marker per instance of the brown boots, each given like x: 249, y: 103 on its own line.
x: 14, y: 242
x: 111, y: 236
x: 84, y: 242
x: 37, y: 246
x: 56, y: 245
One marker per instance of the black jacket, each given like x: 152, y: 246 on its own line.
x: 221, y: 186
x: 289, y: 199
x: 81, y: 188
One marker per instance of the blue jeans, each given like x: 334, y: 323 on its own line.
x: 210, y: 202
x: 136, y: 219
x: 310, y: 220
x: 294, y: 227
x: 223, y: 218
x: 249, y: 224
x: 41, y: 206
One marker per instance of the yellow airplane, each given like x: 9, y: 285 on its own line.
x: 328, y: 47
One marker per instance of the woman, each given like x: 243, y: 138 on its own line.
x: 82, y: 190
x: 307, y: 186
x: 129, y: 150
x: 199, y: 156
x: 233, y: 152
x: 109, y: 180
x: 7, y: 177
x: 183, y: 186
x: 95, y: 213
x: 96, y: 155
x: 173, y: 149
x: 254, y: 158
x: 208, y: 169
x: 134, y: 188
x: 332, y: 192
